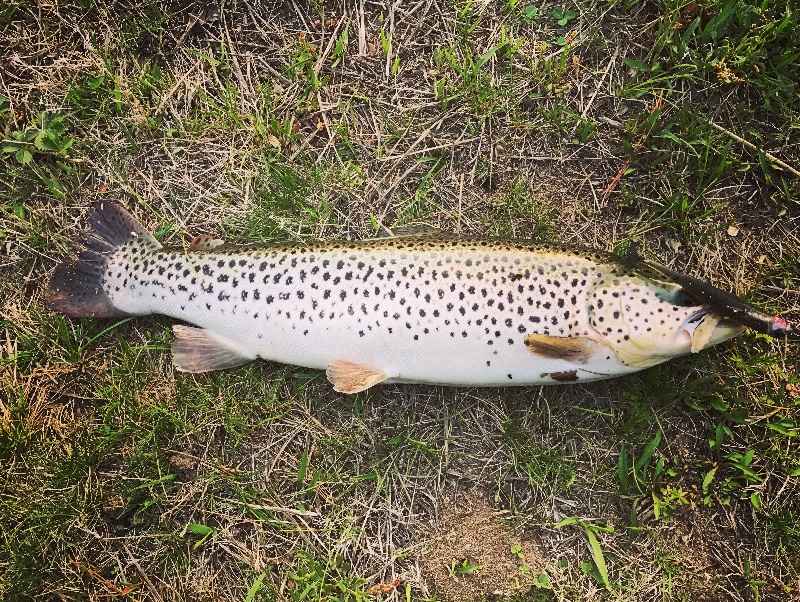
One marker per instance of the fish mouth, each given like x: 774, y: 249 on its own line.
x: 696, y: 319
x: 705, y: 328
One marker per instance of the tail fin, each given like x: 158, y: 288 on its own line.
x: 77, y: 289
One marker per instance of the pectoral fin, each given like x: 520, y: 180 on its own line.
x: 199, y: 350
x: 572, y: 349
x: 347, y: 377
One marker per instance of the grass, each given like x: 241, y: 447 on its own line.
x: 601, y: 123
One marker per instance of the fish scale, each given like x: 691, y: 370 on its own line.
x: 425, y: 308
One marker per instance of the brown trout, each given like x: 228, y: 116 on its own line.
x: 429, y: 308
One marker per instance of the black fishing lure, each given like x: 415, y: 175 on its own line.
x: 730, y: 306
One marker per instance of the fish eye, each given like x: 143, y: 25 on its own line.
x: 682, y: 299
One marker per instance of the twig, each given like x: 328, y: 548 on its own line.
x: 610, y: 188
x: 142, y: 574
x: 600, y: 83
x: 427, y: 149
x: 752, y: 146
x: 110, y: 587
x: 291, y: 511
x: 362, y: 31
x: 331, y: 41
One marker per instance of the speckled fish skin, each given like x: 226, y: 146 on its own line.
x: 420, y: 309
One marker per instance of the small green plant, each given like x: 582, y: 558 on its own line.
x: 49, y: 136
x: 599, y: 568
x: 530, y: 13
x: 332, y: 581
x: 204, y: 531
x: 634, y: 471
x: 637, y: 475
x: 302, y: 68
x: 563, y: 16
x: 668, y: 500
x: 42, y: 150
x: 463, y: 76
x: 732, y: 474
x: 341, y: 45
x: 464, y: 567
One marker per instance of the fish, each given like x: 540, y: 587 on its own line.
x: 426, y: 308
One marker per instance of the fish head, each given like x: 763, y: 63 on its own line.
x: 647, y: 319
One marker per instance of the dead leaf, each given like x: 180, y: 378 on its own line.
x: 733, y: 231
x: 274, y: 141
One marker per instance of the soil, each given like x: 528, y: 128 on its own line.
x: 468, y: 529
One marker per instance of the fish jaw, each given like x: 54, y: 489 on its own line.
x: 706, y: 329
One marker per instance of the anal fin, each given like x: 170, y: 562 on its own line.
x: 199, y: 350
x: 347, y: 377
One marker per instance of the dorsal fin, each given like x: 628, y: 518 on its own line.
x: 205, y: 242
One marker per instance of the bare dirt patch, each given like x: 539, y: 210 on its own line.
x: 469, y: 534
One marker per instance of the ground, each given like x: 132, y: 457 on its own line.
x: 668, y: 124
